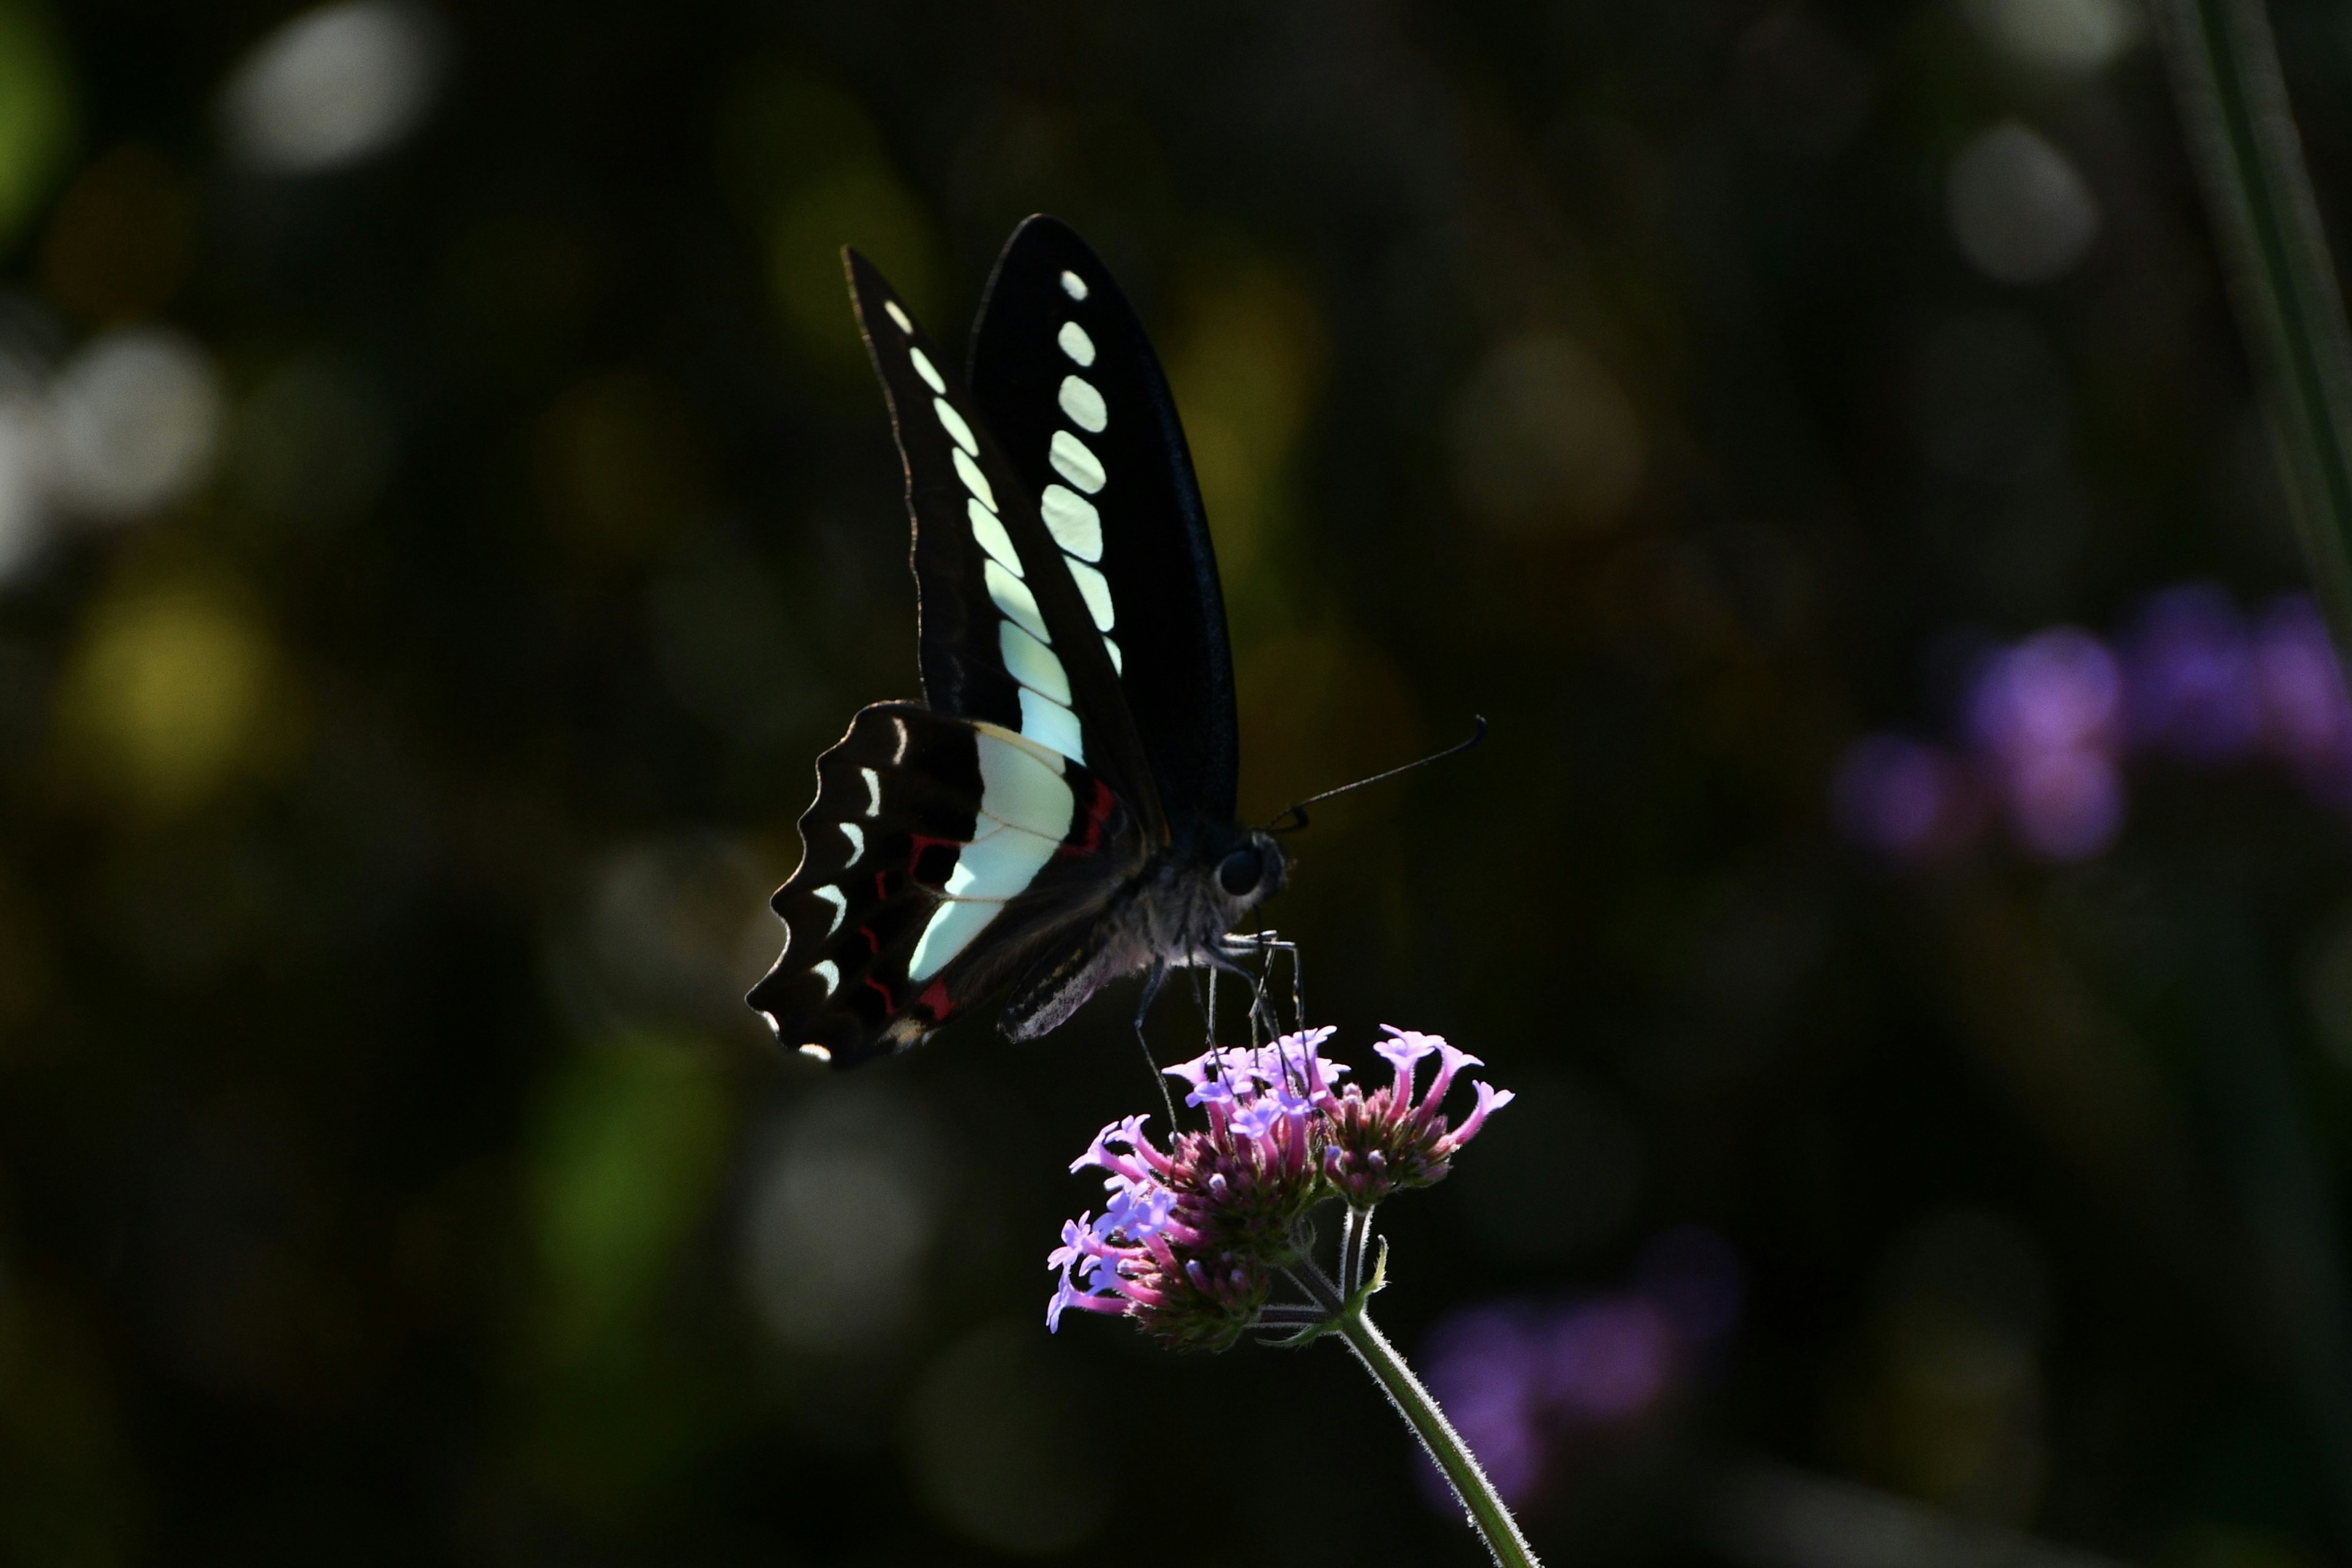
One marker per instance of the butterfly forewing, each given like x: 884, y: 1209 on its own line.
x: 1070, y: 384
x: 940, y: 857
x: 1006, y: 633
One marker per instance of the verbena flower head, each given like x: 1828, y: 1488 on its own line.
x: 1389, y: 1140
x: 1191, y: 1236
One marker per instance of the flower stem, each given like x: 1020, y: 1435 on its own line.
x: 2232, y: 99
x: 1487, y: 1513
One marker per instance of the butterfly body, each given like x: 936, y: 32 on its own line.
x: 1058, y: 812
x: 1175, y: 913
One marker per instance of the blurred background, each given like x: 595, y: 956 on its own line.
x: 444, y: 509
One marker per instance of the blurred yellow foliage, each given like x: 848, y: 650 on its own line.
x: 1245, y: 366
x: 808, y: 172
x: 37, y: 112
x: 620, y: 467
x: 175, y: 689
x: 1545, y: 440
x: 631, y: 1138
x: 65, y: 1466
x: 1318, y: 710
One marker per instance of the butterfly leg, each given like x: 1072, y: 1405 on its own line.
x: 1153, y: 982
x: 1263, y: 946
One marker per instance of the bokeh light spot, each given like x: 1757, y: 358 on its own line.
x: 999, y: 1447
x: 175, y: 691
x: 135, y: 420
x: 2073, y: 38
x: 838, y: 1221
x: 332, y: 87
x: 2019, y: 208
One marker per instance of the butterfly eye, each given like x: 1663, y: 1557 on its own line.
x: 1240, y: 872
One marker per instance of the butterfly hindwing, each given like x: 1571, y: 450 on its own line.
x: 1006, y: 634
x: 1070, y: 384
x: 941, y: 856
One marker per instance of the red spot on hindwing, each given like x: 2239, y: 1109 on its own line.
x: 1099, y: 810
x: 922, y: 844
x: 934, y: 1000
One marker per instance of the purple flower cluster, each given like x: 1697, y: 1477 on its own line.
x: 2047, y: 723
x: 1519, y: 1377
x: 1192, y: 1237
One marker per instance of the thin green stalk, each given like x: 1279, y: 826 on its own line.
x: 2233, y: 103
x: 1487, y: 1512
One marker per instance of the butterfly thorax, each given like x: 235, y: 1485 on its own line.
x: 1177, y: 913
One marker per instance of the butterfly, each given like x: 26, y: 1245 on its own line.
x: 1058, y: 811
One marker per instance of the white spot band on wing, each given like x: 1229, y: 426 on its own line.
x: 1117, y: 664
x: 1021, y: 786
x: 817, y: 1051
x: 1021, y: 783
x: 1000, y: 868
x: 993, y: 537
x: 824, y: 969
x: 857, y: 837
x: 926, y: 369
x: 896, y: 314
x: 840, y: 902
x: 953, y: 422
x: 1073, y: 520
x: 1013, y: 597
x: 973, y: 480
x: 1074, y: 286
x: 1075, y: 344
x: 873, y: 791
x: 1095, y: 588
x: 950, y: 930
x: 1074, y: 462
x: 1083, y: 403
x: 1049, y: 723
x: 1032, y: 664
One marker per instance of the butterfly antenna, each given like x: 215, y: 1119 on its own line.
x: 1293, y: 818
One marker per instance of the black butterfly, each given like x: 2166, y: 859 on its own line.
x: 1058, y: 811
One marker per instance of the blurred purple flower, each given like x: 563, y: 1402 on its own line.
x: 2045, y: 714
x: 2046, y: 722
x: 1486, y: 1367
x: 2057, y: 690
x: 2189, y: 676
x: 2065, y: 805
x: 1905, y: 799
x: 2306, y: 719
x: 1515, y: 1374
x: 1609, y: 1359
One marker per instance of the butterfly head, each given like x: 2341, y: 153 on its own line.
x: 1249, y: 872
